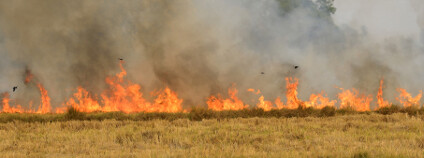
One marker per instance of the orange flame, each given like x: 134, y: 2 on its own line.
x: 45, y: 106
x: 166, y: 101
x: 380, y: 100
x: 406, y: 99
x: 124, y: 96
x: 293, y: 101
x: 6, y: 106
x: 82, y: 101
x: 28, y: 76
x: 263, y: 104
x: 315, y: 100
x: 319, y: 101
x: 232, y: 103
x: 352, y: 99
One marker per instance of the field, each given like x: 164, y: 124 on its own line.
x: 312, y: 133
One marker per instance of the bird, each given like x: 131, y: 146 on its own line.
x: 295, y: 67
x: 121, y: 59
x: 262, y: 73
x: 14, y: 88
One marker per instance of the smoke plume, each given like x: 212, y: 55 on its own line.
x: 200, y: 48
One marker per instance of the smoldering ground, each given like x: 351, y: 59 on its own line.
x: 199, y: 48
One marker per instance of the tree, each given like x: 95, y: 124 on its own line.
x: 326, y: 6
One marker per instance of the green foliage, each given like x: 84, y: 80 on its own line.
x: 326, y: 6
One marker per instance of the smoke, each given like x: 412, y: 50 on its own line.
x: 199, y: 48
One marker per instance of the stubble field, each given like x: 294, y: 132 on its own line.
x: 351, y: 135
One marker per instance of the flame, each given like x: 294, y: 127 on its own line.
x: 279, y: 103
x: 125, y: 96
x: 352, y: 99
x: 253, y: 91
x: 82, y: 101
x: 6, y: 106
x: 406, y: 99
x: 319, y: 101
x: 166, y: 101
x: 266, y: 105
x: 232, y: 103
x: 293, y: 101
x: 28, y: 76
x: 380, y: 100
x: 45, y: 106
x: 263, y: 104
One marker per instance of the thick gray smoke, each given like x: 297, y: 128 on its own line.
x: 199, y: 48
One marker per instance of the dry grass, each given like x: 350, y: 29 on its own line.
x: 357, y: 135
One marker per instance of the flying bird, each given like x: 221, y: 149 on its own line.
x: 14, y: 88
x: 262, y: 73
x: 295, y: 67
x: 121, y: 59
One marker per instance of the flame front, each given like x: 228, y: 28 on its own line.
x: 125, y: 96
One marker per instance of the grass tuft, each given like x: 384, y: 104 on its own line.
x: 74, y: 114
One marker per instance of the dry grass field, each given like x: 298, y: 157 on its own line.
x: 356, y: 135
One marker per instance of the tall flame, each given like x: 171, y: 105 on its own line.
x: 45, y: 106
x: 293, y: 101
x: 380, y: 100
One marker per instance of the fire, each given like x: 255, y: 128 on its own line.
x: 6, y: 106
x: 232, y: 103
x: 380, y: 101
x: 293, y: 101
x: 263, y: 104
x: 352, y: 99
x: 82, y: 101
x: 406, y: 99
x: 45, y: 106
x: 319, y: 101
x: 124, y: 96
x: 28, y: 76
x: 253, y: 91
x: 166, y: 101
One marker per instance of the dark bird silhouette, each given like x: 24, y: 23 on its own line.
x: 295, y: 67
x: 14, y: 88
x: 262, y: 73
x: 121, y: 59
